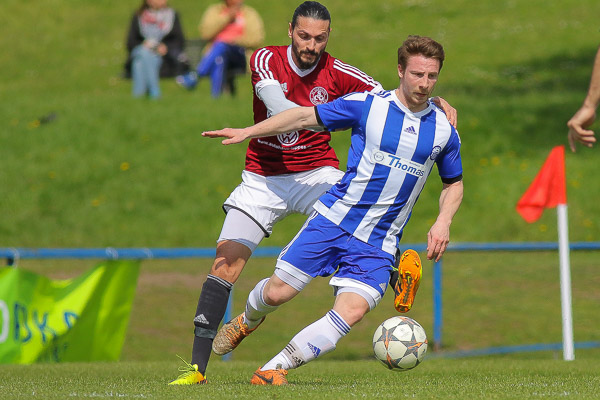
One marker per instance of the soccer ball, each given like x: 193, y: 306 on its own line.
x: 400, y: 343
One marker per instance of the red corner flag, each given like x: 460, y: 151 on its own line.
x: 548, y: 189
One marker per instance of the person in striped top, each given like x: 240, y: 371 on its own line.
x: 353, y: 234
x: 284, y: 174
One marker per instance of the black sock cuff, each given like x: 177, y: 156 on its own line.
x: 227, y: 285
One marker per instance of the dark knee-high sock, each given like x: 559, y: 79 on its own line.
x: 211, y: 309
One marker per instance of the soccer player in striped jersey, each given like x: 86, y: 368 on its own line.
x: 284, y: 174
x: 353, y: 234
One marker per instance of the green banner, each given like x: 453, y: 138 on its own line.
x: 80, y: 319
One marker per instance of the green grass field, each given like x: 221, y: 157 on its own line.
x: 434, y: 379
x: 115, y: 171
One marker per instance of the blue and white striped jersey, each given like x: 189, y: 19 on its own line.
x: 391, y: 155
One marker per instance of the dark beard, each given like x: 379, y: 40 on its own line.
x: 303, y: 64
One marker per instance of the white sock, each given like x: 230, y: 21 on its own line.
x: 256, y: 308
x: 317, y: 339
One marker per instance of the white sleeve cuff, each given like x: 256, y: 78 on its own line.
x: 273, y: 97
x: 265, y: 82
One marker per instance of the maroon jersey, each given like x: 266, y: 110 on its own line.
x: 301, y: 150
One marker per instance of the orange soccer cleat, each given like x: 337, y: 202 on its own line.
x: 407, y: 282
x: 274, y: 377
x: 231, y: 335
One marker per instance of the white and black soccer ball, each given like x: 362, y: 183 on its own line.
x: 400, y: 343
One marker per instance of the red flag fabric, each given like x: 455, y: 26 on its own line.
x: 547, y: 190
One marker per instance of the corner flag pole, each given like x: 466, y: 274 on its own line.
x: 548, y: 190
x: 565, y: 282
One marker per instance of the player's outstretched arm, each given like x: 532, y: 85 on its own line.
x: 232, y: 135
x: 284, y: 122
x: 438, y: 236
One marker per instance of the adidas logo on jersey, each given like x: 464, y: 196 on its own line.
x: 201, y: 319
x: 410, y: 130
x: 284, y: 87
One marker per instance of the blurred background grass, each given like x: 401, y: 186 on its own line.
x: 111, y: 170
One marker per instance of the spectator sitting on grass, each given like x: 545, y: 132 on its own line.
x: 155, y: 43
x: 232, y: 30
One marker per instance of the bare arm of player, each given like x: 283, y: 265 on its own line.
x: 284, y: 122
x: 450, y: 111
x: 438, y: 236
x: 586, y: 115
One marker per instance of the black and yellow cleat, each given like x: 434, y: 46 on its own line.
x: 190, y: 375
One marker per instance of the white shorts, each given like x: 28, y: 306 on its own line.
x: 269, y: 199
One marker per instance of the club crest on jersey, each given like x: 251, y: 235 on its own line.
x: 434, y: 152
x: 396, y: 162
x: 318, y: 95
x: 288, y: 139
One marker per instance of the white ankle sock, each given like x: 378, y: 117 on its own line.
x: 256, y: 308
x: 316, y: 339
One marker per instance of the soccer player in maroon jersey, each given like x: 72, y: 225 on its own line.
x: 284, y: 174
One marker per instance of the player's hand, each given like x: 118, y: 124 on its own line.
x: 450, y: 111
x: 583, y: 118
x: 232, y: 135
x: 438, y: 238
